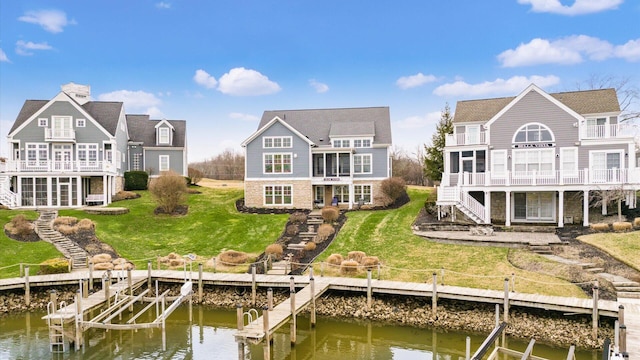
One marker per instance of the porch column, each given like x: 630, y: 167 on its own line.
x: 104, y: 189
x: 507, y: 210
x: 79, y: 191
x: 18, y: 190
x: 487, y: 207
x: 351, y: 196
x: 49, y: 188
x: 585, y: 208
x: 111, y: 189
x: 561, y: 208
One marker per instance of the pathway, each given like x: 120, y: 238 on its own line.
x: 72, y: 251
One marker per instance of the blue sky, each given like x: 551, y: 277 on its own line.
x: 220, y: 64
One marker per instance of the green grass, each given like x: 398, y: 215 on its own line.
x: 16, y: 252
x: 212, y: 224
x: 623, y: 246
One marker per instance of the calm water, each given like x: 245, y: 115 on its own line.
x: 210, y: 336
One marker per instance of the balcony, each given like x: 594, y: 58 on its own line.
x: 50, y: 166
x: 59, y: 134
x: 466, y: 139
x: 605, y: 131
x: 543, y: 178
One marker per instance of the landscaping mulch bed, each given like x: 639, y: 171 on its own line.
x: 180, y: 210
x: 88, y: 240
x: 30, y: 237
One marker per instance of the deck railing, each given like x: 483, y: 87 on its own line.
x: 605, y: 131
x: 465, y: 139
x: 58, y: 166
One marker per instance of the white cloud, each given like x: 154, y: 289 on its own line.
x: 416, y: 122
x: 579, y: 7
x: 3, y: 57
x: 163, y: 5
x: 499, y: 86
x: 243, y: 117
x: 419, y: 79
x: 318, y: 86
x: 52, y: 21
x: 246, y: 82
x: 26, y: 48
x: 137, y: 101
x: 629, y: 51
x: 566, y: 51
x: 203, y: 78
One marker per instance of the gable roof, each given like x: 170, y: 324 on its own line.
x: 143, y: 130
x: 582, y: 102
x: 29, y: 108
x: 319, y: 124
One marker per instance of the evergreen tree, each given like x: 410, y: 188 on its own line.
x: 433, y: 160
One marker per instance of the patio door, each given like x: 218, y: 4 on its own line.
x: 62, y: 155
x: 318, y: 195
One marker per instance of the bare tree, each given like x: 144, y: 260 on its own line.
x: 628, y: 94
x: 228, y: 165
x: 407, y: 167
x: 604, y: 197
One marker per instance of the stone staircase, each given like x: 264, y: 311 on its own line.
x: 283, y: 267
x: 68, y: 248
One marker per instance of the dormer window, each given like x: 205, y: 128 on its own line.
x: 341, y: 143
x: 163, y: 135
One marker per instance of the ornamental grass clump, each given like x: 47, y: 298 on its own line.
x: 599, y: 227
x: 370, y: 262
x: 232, y: 257
x: 330, y: 214
x: 86, y: 225
x: 356, y: 255
x: 310, y: 246
x: 298, y: 217
x: 65, y: 220
x: 275, y: 251
x: 349, y: 267
x: 20, y: 226
x: 622, y: 226
x: 292, y: 230
x: 636, y: 222
x: 324, y: 232
x: 67, y: 229
x: 335, y: 259
x: 169, y: 191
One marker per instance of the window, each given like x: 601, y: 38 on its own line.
x: 342, y: 193
x: 87, y: 154
x: 362, y: 164
x: 62, y: 127
x: 597, y: 128
x: 472, y: 134
x: 362, y: 192
x: 163, y: 135
x: 605, y: 165
x: 37, y: 154
x: 80, y: 122
x: 569, y: 161
x: 136, y: 162
x: 341, y: 143
x: 454, y: 163
x: 498, y: 163
x: 533, y: 133
x: 277, y: 163
x: 534, y: 206
x: 278, y: 195
x: 362, y: 143
x: 163, y: 160
x: 529, y: 160
x: 269, y: 142
x: 43, y: 122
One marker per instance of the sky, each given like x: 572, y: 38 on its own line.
x: 220, y: 64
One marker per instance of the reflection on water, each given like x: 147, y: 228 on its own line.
x: 25, y: 336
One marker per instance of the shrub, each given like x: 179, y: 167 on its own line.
x: 349, y: 267
x: 103, y: 266
x: 330, y: 214
x: 232, y: 257
x: 622, y: 226
x: 195, y: 175
x: 65, y: 220
x: 394, y: 188
x: 19, y: 219
x: 136, y: 180
x: 67, y: 229
x: 85, y: 224
x: 310, y: 246
x: 125, y: 195
x: 275, y: 250
x: 298, y: 217
x: 335, y: 259
x: 169, y: 191
x: 636, y: 222
x: 54, y: 266
x: 599, y: 227
x: 370, y: 262
x: 101, y: 258
x: 324, y: 231
x: 20, y: 226
x: 356, y: 255
x: 292, y: 230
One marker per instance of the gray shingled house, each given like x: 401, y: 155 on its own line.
x: 309, y: 158
x: 537, y: 157
x: 70, y: 151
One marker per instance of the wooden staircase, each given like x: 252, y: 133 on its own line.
x: 7, y: 197
x: 77, y: 255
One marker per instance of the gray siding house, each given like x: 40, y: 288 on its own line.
x: 70, y: 151
x: 309, y: 158
x: 537, y: 157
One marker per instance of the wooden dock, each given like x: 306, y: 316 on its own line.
x: 255, y: 331
x: 632, y: 322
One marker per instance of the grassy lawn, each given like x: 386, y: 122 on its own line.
x: 623, y: 246
x: 212, y: 224
x: 15, y: 252
x: 407, y: 257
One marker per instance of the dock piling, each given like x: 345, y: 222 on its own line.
x: 239, y: 316
x: 595, y: 309
x: 91, y: 275
x: 79, y: 319
x: 506, y: 300
x: 368, y: 289
x: 312, y: 288
x: 270, y: 298
x: 434, y: 295
x: 27, y: 288
x: 623, y: 338
x: 53, y: 298
x: 149, y: 274
x: 253, y: 285
x: 200, y: 282
x: 293, y: 326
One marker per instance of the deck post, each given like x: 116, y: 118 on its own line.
x: 149, y: 274
x: 434, y: 294
x: 265, y: 323
x: 270, y: 298
x: 467, y: 352
x: 294, y: 322
x: 368, y: 289
x: 130, y: 286
x: 616, y: 333
x: 106, y: 286
x: 513, y: 282
x: 312, y: 287
x: 85, y: 288
x: 292, y: 285
x: 506, y: 300
x: 91, y: 275
x: 378, y: 271
x: 200, y: 282
x: 497, y: 315
x: 265, y: 265
x: 240, y: 350
x: 595, y: 309
x: 621, y: 314
x: 213, y: 260
x: 253, y: 285
x: 322, y: 269
x: 164, y: 330
x: 239, y: 317
x: 623, y: 338
x: 78, y: 319
x: 27, y: 288
x: 53, y: 298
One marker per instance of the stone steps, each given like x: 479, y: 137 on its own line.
x: 77, y: 255
x: 541, y: 249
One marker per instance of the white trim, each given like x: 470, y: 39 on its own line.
x: 498, y: 154
x: 264, y: 195
x: 515, y: 133
x: 273, y: 154
x: 160, y: 135
x: 46, y: 122
x: 81, y: 123
x: 363, y: 156
x: 160, y: 157
x: 164, y: 121
x: 281, y: 138
x: 563, y: 155
x: 268, y: 125
x: 370, y: 192
x: 527, y: 219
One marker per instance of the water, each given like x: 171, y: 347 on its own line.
x: 210, y: 336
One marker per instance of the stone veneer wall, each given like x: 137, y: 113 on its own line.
x: 572, y: 206
x: 377, y: 197
x: 96, y: 184
x: 302, y: 193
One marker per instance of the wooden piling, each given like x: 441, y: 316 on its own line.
x: 265, y: 323
x: 27, y: 287
x: 85, y: 289
x: 130, y: 287
x: 294, y: 323
x: 594, y: 317
x: 158, y: 263
x: 239, y: 317
x: 621, y: 314
x: 200, y: 289
x: 513, y: 282
x: 213, y: 260
x: 369, y: 289
x: 253, y: 285
x: 79, y: 319
x: 623, y: 338
x: 292, y: 284
x: 149, y: 274
x: 506, y: 300
x: 312, y: 288
x: 53, y: 298
x: 434, y: 295
x: 91, y: 275
x: 270, y: 299
x: 322, y: 269
x: 467, y: 353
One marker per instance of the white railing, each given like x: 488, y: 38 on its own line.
x: 604, y: 131
x: 59, y: 166
x: 59, y: 134
x: 465, y: 139
x: 472, y: 205
x: 7, y: 197
x: 537, y: 178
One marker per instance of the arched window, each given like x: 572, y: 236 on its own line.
x: 533, y: 132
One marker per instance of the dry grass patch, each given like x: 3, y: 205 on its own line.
x: 101, y: 258
x: 622, y: 226
x: 85, y: 224
x: 636, y: 222
x: 67, y: 229
x: 599, y: 227
x: 298, y: 217
x: 65, y: 220
x: 349, y: 267
x: 370, y: 262
x: 232, y: 257
x: 330, y: 214
x: 356, y: 255
x: 335, y: 259
x: 275, y: 251
x: 324, y: 231
x: 19, y: 226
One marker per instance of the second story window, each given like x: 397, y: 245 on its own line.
x: 81, y: 122
x: 341, y: 143
x: 277, y: 163
x: 43, y: 122
x: 37, y: 153
x: 163, y: 135
x: 362, y: 164
x: 269, y: 142
x: 533, y: 133
x: 163, y: 162
x: 362, y: 143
